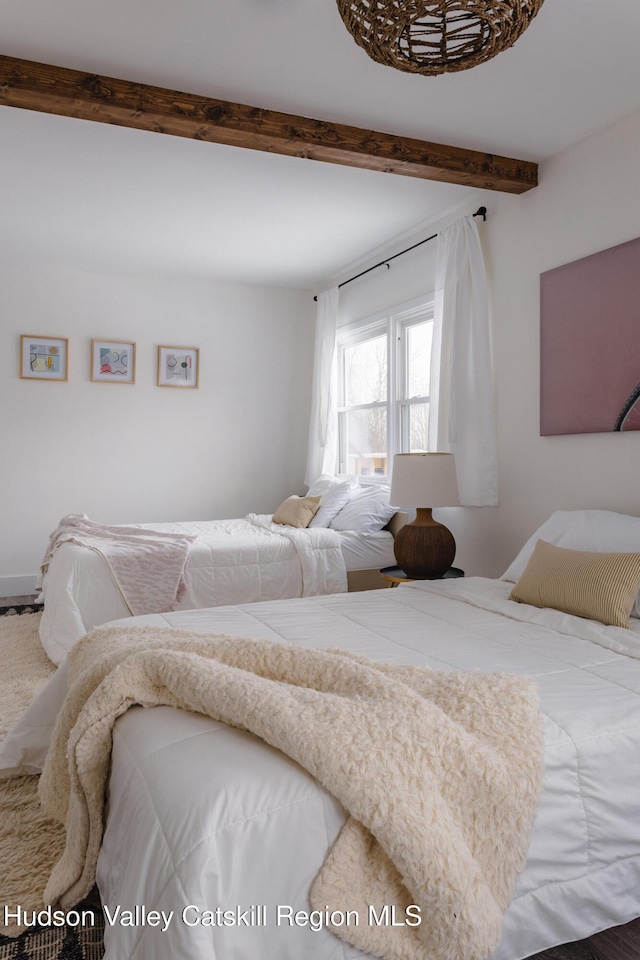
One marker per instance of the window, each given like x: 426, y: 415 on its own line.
x: 383, y: 369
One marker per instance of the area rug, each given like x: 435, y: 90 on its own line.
x: 65, y: 943
x: 29, y: 843
x: 18, y: 609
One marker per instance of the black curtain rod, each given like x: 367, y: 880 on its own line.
x: 480, y: 212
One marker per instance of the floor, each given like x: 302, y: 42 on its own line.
x: 619, y: 943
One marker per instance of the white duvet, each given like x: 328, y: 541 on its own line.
x: 233, y: 561
x: 202, y: 816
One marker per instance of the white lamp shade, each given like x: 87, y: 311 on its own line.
x: 424, y: 480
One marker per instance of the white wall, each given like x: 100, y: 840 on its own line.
x: 127, y: 453
x: 587, y: 200
x: 407, y: 278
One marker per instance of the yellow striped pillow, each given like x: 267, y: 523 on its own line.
x: 599, y: 586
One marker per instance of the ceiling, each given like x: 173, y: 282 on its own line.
x: 118, y: 199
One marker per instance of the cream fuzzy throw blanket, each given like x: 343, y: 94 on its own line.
x: 440, y: 772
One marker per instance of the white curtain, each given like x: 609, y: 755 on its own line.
x: 323, y: 440
x: 461, y: 412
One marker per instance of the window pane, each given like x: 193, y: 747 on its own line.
x: 418, y: 359
x: 418, y: 427
x: 365, y: 372
x: 365, y: 442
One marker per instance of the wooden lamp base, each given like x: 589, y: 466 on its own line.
x: 424, y: 548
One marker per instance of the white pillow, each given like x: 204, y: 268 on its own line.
x: 331, y: 503
x: 23, y: 750
x: 321, y: 485
x: 602, y: 531
x: 367, y: 512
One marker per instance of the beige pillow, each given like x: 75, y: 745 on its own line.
x: 599, y: 586
x: 297, y: 511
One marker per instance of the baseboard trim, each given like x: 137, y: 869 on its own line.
x: 17, y: 586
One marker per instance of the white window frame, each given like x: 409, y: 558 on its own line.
x: 395, y: 324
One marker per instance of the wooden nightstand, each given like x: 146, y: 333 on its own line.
x: 396, y: 576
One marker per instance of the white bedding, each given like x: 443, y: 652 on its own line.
x: 369, y: 551
x: 207, y: 815
x: 233, y: 561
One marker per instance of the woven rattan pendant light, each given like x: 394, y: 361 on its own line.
x: 436, y: 36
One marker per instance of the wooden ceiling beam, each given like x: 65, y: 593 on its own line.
x: 73, y: 93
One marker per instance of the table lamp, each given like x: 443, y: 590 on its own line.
x: 424, y: 548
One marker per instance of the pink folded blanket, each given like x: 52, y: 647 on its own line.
x: 147, y: 566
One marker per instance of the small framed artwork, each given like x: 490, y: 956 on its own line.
x: 178, y: 366
x: 43, y: 358
x: 113, y: 361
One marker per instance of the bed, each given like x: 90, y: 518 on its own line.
x: 203, y: 814
x: 230, y: 561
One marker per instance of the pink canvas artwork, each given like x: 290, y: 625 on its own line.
x: 590, y: 343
